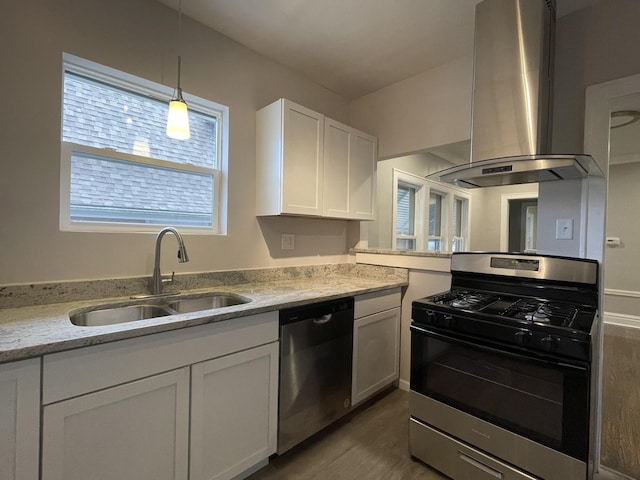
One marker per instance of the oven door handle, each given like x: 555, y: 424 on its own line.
x: 481, y: 345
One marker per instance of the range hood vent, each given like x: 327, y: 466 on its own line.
x: 520, y: 169
x: 512, y: 98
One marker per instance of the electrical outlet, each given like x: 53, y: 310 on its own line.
x: 564, y: 229
x: 288, y: 241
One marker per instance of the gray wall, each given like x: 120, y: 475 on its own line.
x: 593, y: 45
x: 623, y: 262
x: 138, y: 37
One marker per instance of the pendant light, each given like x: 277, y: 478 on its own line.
x: 178, y: 117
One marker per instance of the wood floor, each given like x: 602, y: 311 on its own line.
x: 621, y: 400
x: 373, y: 444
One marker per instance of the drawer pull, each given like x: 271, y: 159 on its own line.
x: 480, y: 465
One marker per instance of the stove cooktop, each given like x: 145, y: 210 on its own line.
x: 508, y: 307
x: 550, y: 326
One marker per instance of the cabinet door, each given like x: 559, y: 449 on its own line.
x: 138, y: 430
x: 362, y: 176
x: 19, y: 420
x: 233, y: 413
x: 375, y: 353
x: 337, y: 144
x: 302, y: 160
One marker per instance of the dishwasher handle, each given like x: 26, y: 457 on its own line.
x: 318, y: 313
x: 323, y: 319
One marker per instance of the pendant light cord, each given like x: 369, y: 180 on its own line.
x: 179, y: 47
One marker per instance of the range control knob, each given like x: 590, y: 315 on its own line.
x: 448, y: 321
x: 430, y: 316
x: 550, y: 343
x: 523, y: 337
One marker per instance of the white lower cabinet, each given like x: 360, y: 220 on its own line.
x: 233, y: 413
x: 376, y: 343
x: 19, y: 420
x: 195, y: 403
x: 138, y: 430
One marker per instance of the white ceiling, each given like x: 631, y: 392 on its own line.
x: 352, y: 47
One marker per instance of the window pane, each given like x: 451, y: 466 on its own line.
x: 435, y: 214
x: 434, y: 244
x: 406, y: 204
x: 102, y: 116
x: 405, y: 244
x: 109, y: 190
x: 457, y: 217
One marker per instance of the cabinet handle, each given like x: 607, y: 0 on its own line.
x: 480, y: 465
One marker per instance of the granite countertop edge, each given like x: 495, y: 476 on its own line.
x: 33, y: 331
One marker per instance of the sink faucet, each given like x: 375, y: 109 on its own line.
x: 157, y: 280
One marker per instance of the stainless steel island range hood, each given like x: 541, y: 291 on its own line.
x: 512, y: 98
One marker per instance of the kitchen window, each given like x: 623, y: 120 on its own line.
x: 460, y: 223
x: 119, y: 170
x: 434, y: 241
x: 406, y: 237
x: 428, y: 215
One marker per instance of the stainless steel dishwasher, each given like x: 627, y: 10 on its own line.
x: 316, y: 344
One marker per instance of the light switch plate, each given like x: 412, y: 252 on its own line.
x: 564, y: 229
x: 288, y: 241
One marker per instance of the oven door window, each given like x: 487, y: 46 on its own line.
x: 542, y: 400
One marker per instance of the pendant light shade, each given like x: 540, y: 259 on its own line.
x: 178, y: 119
x: 178, y: 116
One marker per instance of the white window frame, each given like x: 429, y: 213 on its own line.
x: 414, y: 181
x: 135, y: 84
x: 444, y: 218
x: 424, y: 188
x: 464, y: 224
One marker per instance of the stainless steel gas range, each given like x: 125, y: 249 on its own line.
x: 502, y: 384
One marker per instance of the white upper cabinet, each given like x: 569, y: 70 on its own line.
x: 289, y: 160
x: 308, y: 164
x: 349, y: 172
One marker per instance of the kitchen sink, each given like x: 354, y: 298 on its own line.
x: 110, y: 316
x: 219, y: 300
x: 130, y: 313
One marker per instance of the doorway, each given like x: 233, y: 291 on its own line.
x: 519, y: 219
x: 522, y: 224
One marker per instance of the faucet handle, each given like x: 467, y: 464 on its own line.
x: 168, y: 279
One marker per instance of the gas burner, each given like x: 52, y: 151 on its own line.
x: 544, y: 312
x: 540, y: 315
x: 471, y: 300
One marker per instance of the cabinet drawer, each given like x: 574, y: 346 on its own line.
x: 371, y: 303
x: 76, y: 372
x: 455, y: 458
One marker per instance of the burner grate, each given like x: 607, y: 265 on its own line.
x: 552, y: 313
x: 465, y: 300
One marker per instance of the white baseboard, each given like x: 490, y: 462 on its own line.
x: 403, y: 385
x: 605, y: 473
x: 622, y: 319
x: 621, y: 293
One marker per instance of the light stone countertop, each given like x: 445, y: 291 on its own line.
x: 31, y: 331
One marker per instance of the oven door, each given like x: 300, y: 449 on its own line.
x: 542, y: 399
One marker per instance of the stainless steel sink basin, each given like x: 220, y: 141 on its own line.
x: 208, y: 302
x: 110, y: 316
x: 130, y: 313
